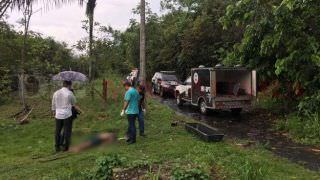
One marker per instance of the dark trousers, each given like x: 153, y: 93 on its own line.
x: 141, y: 122
x: 63, y: 138
x: 132, y: 132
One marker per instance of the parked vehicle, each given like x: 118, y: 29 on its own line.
x: 183, y: 91
x: 218, y: 88
x: 164, y: 83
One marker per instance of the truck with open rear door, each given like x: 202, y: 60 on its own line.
x: 221, y: 88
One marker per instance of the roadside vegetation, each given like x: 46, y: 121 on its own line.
x: 278, y: 38
x: 27, y: 151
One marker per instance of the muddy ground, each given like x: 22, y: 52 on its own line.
x: 254, y: 127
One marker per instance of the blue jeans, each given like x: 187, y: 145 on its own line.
x: 132, y: 132
x: 141, y: 122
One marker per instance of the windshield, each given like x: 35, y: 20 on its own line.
x: 167, y: 77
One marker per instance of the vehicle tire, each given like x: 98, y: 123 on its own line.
x: 179, y: 101
x: 203, y: 107
x: 236, y: 111
x: 161, y: 92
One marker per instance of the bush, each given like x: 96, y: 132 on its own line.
x: 304, y: 129
x: 310, y: 105
x: 104, y: 171
x: 251, y: 170
x: 4, y: 83
x: 189, y: 173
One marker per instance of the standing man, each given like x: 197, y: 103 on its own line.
x: 131, y: 108
x: 142, y: 109
x: 62, y: 103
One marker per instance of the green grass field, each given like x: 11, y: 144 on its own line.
x: 27, y: 151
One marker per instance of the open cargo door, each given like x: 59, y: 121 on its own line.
x: 254, y: 83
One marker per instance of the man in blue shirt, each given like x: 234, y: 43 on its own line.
x: 131, y: 108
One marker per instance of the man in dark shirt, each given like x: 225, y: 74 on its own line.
x: 142, y: 110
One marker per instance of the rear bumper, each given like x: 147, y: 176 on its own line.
x: 232, y: 104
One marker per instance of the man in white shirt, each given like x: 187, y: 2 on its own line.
x: 62, y: 103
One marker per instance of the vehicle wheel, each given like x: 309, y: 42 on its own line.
x: 236, y: 111
x: 203, y: 107
x: 162, y: 92
x: 179, y: 100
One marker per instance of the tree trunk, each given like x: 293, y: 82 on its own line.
x: 91, y: 63
x: 91, y: 55
x: 27, y: 13
x: 143, y: 43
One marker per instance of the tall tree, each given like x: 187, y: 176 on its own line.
x: 143, y: 42
x: 27, y: 13
x: 91, y: 5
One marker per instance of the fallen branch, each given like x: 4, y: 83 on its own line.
x: 19, y: 113
x: 24, y: 120
x: 55, y: 157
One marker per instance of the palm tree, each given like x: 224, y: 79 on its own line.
x: 91, y: 5
x: 143, y: 42
x: 6, y: 4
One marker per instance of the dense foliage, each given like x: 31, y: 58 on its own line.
x: 278, y: 38
x: 45, y: 57
x: 281, y: 40
x: 187, y: 36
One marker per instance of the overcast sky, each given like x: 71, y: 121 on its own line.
x: 64, y: 23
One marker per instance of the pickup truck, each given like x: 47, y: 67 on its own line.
x: 222, y: 88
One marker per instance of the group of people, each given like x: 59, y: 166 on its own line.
x: 65, y: 110
x: 134, y: 108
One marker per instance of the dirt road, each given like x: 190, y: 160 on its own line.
x: 256, y: 127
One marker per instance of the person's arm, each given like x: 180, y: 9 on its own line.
x: 142, y: 103
x: 53, y: 104
x: 78, y: 108
x: 127, y: 98
x: 125, y: 105
x: 72, y: 99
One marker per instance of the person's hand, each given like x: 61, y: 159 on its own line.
x: 144, y: 111
x: 122, y: 113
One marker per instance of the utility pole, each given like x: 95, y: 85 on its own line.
x: 143, y: 43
